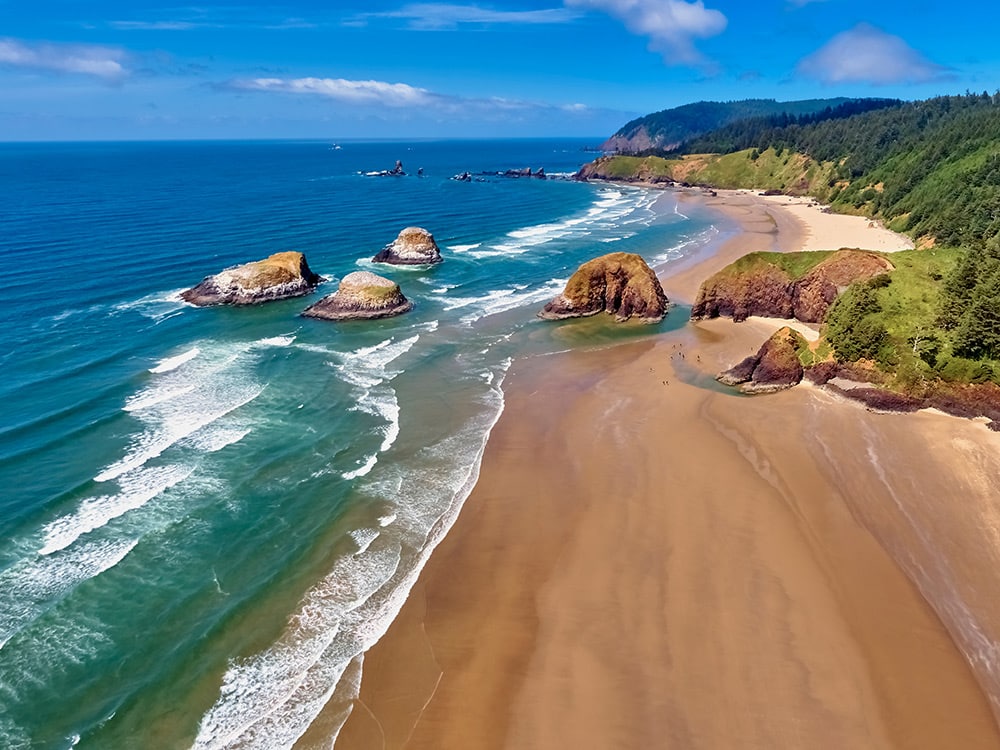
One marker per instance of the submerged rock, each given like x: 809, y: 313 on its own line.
x: 361, y: 296
x: 414, y: 246
x: 774, y: 367
x: 620, y: 284
x: 279, y: 276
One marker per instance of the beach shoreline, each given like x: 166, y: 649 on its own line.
x: 648, y: 561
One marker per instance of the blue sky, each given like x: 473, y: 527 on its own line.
x: 107, y: 69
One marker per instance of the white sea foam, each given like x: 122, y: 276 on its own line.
x: 464, y: 248
x: 363, y: 538
x: 172, y: 363
x: 37, y: 584
x: 363, y: 470
x: 502, y: 300
x: 181, y: 401
x: 271, y: 699
x: 136, y: 489
x: 157, y: 306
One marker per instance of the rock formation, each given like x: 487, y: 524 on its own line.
x: 280, y: 276
x: 774, y: 367
x: 759, y: 284
x: 620, y: 284
x: 361, y: 296
x: 413, y: 247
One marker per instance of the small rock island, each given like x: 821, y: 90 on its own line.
x: 414, y: 246
x: 620, y: 284
x: 279, y: 276
x: 361, y: 295
x: 774, y: 367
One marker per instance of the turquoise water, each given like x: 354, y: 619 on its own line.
x: 208, y: 515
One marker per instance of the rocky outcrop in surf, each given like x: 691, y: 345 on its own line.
x: 361, y: 295
x: 414, y: 246
x: 279, y: 276
x: 771, y: 284
x: 620, y: 284
x: 775, y: 366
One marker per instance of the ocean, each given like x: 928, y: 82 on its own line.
x: 209, y: 514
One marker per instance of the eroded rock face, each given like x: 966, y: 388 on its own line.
x: 279, y: 276
x: 361, y: 296
x: 774, y: 367
x: 768, y: 290
x: 620, y: 284
x: 414, y: 246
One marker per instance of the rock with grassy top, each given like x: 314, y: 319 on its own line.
x: 279, y: 276
x: 620, y: 284
x: 414, y: 246
x: 361, y: 296
x: 774, y: 367
x: 785, y: 285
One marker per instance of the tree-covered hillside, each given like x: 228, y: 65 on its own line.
x: 671, y: 127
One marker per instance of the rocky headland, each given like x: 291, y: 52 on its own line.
x: 620, y: 284
x: 787, y: 285
x: 361, y: 295
x: 414, y: 246
x: 774, y: 367
x: 279, y: 276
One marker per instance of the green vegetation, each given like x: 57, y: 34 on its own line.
x: 796, y: 265
x: 669, y: 127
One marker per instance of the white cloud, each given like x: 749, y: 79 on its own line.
x: 866, y: 54
x: 86, y: 59
x: 429, y: 16
x: 671, y: 25
x: 352, y: 92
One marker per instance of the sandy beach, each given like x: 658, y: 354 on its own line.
x: 649, y: 560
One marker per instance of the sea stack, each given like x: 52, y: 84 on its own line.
x: 279, y: 276
x: 620, y: 284
x: 414, y: 246
x: 361, y: 296
x: 774, y: 367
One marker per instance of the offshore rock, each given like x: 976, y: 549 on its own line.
x: 774, y: 367
x: 755, y: 285
x: 361, y: 296
x: 413, y: 247
x: 620, y: 284
x: 279, y: 276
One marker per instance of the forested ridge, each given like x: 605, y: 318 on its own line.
x: 930, y: 169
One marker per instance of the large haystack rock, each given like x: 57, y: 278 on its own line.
x: 361, y: 296
x: 620, y: 284
x: 413, y: 247
x: 280, y: 276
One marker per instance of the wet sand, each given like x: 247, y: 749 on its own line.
x: 650, y: 561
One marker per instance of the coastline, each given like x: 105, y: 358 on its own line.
x: 647, y: 562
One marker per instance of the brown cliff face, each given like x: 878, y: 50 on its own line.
x: 414, y: 246
x: 763, y: 287
x: 774, y: 367
x: 361, y: 296
x: 620, y: 284
x: 279, y: 276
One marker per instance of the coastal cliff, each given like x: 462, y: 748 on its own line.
x: 279, y: 276
x: 620, y: 284
x: 787, y: 285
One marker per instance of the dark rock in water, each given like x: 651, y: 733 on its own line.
x: 464, y: 177
x: 621, y: 284
x: 398, y: 169
x: 361, y: 296
x: 280, y: 276
x: 755, y: 285
x: 774, y: 367
x: 413, y: 247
